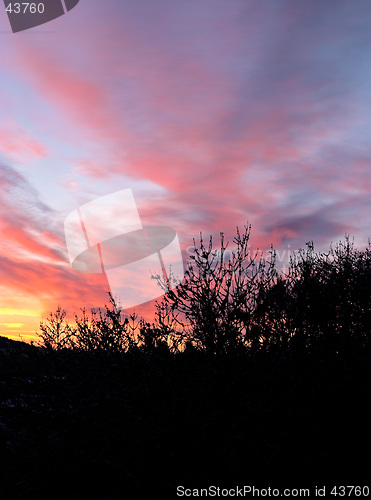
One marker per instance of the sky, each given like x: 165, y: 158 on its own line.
x: 214, y: 113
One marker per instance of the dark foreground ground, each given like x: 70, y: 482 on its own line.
x: 78, y: 426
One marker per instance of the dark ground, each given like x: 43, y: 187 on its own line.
x: 82, y: 426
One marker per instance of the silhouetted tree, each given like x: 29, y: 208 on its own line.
x: 213, y: 305
x: 231, y: 300
x: 109, y: 331
x: 55, y: 332
x: 323, y: 303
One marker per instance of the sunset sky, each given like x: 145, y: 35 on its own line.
x: 214, y: 113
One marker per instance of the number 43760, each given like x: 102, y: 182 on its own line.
x: 22, y: 8
x: 357, y: 491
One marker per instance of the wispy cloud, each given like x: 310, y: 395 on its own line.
x: 33, y: 261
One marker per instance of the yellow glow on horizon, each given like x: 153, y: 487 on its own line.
x: 21, y: 337
x: 9, y: 311
x: 20, y: 324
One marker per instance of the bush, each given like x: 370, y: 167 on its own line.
x: 230, y: 301
x: 56, y: 333
x: 214, y: 303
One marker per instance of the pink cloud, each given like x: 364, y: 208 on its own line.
x: 18, y: 144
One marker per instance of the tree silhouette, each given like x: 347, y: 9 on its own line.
x: 55, y: 332
x: 213, y: 305
x: 230, y: 300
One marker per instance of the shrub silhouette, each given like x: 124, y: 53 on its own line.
x: 214, y: 303
x: 55, y: 332
x: 231, y: 301
x: 322, y: 303
x: 107, y: 331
